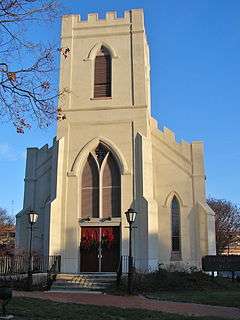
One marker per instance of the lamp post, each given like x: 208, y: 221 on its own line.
x: 32, y: 219
x: 131, y: 216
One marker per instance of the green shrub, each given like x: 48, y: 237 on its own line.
x: 41, y: 282
x: 169, y: 280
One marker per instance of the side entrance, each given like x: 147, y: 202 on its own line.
x: 99, y: 249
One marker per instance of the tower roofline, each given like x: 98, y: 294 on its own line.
x: 109, y: 16
x: 135, y: 17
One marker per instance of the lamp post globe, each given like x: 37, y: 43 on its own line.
x: 130, y: 215
x: 32, y: 216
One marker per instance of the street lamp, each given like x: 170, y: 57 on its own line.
x: 32, y: 219
x: 131, y: 216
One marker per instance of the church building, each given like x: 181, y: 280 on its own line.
x: 109, y: 155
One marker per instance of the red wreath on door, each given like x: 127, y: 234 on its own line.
x: 108, y: 238
x: 90, y: 239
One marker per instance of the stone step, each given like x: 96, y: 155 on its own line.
x: 95, y: 287
x: 83, y: 281
x: 87, y: 275
x: 81, y: 285
x: 86, y: 284
x: 87, y: 280
x: 77, y: 291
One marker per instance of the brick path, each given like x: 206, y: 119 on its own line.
x: 138, y: 302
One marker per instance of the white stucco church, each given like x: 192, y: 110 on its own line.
x: 109, y: 155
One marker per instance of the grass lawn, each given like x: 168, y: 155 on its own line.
x: 226, y: 298
x: 33, y: 309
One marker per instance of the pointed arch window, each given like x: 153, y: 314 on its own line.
x: 90, y: 189
x: 111, y: 188
x: 101, y: 185
x: 176, y: 232
x: 103, y: 74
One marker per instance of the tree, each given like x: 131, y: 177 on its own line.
x: 5, y: 218
x: 227, y: 222
x: 7, y: 229
x: 27, y: 66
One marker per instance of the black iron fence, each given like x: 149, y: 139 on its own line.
x: 123, y: 267
x: 12, y: 265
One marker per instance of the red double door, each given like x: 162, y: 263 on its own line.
x: 99, y: 249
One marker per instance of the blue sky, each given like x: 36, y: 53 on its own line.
x: 195, y: 75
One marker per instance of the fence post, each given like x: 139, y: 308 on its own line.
x: 119, y: 272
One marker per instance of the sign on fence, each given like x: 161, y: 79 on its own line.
x: 221, y: 263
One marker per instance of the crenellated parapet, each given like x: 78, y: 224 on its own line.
x: 168, y: 138
x: 38, y: 158
x: 189, y: 157
x: 71, y: 23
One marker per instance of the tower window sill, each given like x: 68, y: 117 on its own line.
x: 101, y: 98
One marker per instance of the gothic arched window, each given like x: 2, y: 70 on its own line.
x: 111, y: 188
x: 90, y: 189
x: 101, y: 185
x: 103, y: 74
x: 176, y: 234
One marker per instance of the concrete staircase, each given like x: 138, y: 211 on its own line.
x: 84, y: 282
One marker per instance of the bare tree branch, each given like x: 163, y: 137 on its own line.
x: 27, y: 90
x: 227, y: 222
x: 7, y: 243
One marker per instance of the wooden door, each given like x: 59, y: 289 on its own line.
x: 100, y: 249
x: 89, y: 249
x: 110, y: 249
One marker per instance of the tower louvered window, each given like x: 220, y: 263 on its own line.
x: 103, y: 74
x: 176, y: 236
x: 101, y: 185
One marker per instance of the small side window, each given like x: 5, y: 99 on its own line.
x: 176, y: 229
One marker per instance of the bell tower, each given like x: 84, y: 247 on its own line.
x: 106, y: 74
x: 123, y: 40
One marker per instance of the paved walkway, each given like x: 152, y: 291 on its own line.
x: 137, y: 302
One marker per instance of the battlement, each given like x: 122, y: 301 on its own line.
x: 168, y: 137
x: 135, y: 17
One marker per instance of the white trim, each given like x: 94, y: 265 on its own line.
x: 93, y: 52
x: 80, y: 159
x: 168, y: 199
x: 115, y: 222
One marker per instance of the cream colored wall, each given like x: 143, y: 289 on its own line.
x: 179, y: 170
x: 114, y: 121
x: 125, y: 37
x: 153, y: 166
x: 39, y: 190
x: 146, y: 234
